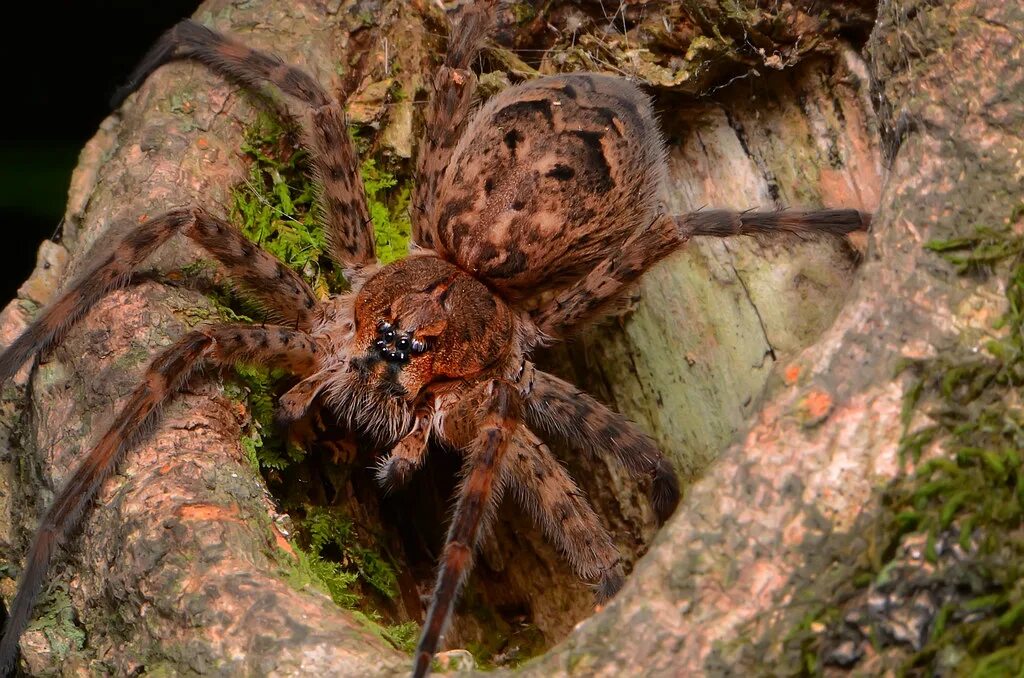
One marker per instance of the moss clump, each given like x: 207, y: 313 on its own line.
x: 329, y: 556
x: 962, y: 511
x: 523, y: 12
x: 976, y: 492
x: 389, y: 208
x: 402, y: 636
x: 275, y: 205
x: 326, y: 530
x: 310, y: 569
x: 264, y: 446
x: 56, y: 619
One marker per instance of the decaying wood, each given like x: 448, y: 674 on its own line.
x: 181, y: 566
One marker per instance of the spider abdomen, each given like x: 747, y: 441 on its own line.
x: 549, y: 177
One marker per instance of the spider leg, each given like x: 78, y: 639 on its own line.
x: 406, y: 456
x: 558, y: 408
x: 273, y: 346
x: 559, y: 507
x: 297, y: 402
x: 335, y: 165
x: 495, y: 420
x: 282, y: 292
x: 447, y: 114
x: 590, y: 296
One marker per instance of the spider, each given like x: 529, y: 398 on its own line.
x: 530, y: 217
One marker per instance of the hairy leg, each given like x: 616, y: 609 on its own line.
x: 447, y: 114
x: 495, y: 420
x: 297, y: 403
x: 335, y: 165
x: 558, y: 408
x: 559, y: 507
x: 273, y: 346
x: 279, y: 289
x: 407, y: 456
x: 590, y: 297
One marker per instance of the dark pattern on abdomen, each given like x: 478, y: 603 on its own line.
x: 550, y: 175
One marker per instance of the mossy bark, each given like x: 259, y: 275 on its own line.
x: 179, y: 569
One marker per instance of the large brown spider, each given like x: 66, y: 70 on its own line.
x: 529, y: 218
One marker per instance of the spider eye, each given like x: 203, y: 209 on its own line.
x: 418, y: 346
x: 383, y: 326
x: 402, y: 344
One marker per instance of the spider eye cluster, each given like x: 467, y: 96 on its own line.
x: 396, y: 346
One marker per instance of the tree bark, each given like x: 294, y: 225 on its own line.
x: 180, y: 566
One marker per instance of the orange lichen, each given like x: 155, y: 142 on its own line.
x: 208, y: 512
x: 283, y: 543
x: 815, y: 406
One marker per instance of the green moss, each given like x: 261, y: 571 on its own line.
x: 311, y: 570
x: 977, y: 490
x: 389, y: 208
x: 264, y: 446
x: 978, y: 253
x: 275, y: 205
x: 523, y: 12
x: 328, y: 530
x: 328, y: 556
x: 55, y: 617
x: 161, y: 669
x: 972, y: 495
x: 402, y: 636
x: 30, y: 307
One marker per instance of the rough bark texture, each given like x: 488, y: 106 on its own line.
x: 180, y: 568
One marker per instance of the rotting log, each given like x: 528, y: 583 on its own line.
x: 181, y: 566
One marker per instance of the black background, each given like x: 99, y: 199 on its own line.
x: 62, y: 61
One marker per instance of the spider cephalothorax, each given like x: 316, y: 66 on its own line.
x: 530, y: 218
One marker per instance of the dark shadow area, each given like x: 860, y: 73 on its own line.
x: 64, y: 60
